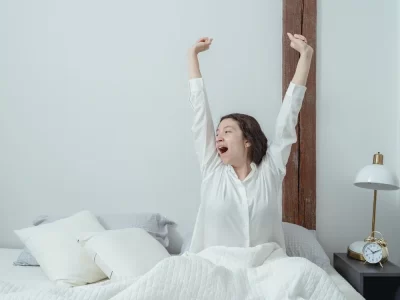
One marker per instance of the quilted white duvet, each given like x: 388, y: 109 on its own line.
x: 220, y: 273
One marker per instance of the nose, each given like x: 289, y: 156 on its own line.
x: 219, y: 138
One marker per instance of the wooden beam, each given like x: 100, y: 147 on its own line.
x: 292, y: 11
x: 299, y: 186
x: 307, y: 126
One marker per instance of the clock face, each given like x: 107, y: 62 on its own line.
x: 372, y: 253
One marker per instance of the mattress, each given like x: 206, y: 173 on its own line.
x: 34, y: 277
x: 27, y: 276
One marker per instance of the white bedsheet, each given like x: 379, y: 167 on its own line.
x: 23, y: 281
x: 343, y: 285
x: 26, y: 276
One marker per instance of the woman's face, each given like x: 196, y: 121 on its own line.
x: 230, y: 143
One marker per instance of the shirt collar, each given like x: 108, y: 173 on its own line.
x: 253, y: 167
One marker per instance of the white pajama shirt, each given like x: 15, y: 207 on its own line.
x: 232, y: 212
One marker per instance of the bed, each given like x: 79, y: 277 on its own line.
x: 33, y: 277
x: 343, y: 285
x: 27, y: 276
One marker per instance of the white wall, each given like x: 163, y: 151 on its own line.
x: 357, y: 116
x: 94, y: 112
x: 398, y: 91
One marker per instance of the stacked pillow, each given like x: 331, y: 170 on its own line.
x: 84, y: 249
x: 128, y: 252
x: 154, y: 223
x: 55, y: 248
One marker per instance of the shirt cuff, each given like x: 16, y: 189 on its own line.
x: 196, y: 84
x: 296, y: 90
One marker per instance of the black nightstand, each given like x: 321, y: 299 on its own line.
x: 371, y: 281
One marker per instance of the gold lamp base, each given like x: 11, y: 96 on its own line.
x: 354, y: 250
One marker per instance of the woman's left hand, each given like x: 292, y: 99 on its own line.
x: 299, y: 43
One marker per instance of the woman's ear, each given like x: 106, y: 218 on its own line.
x: 247, y: 144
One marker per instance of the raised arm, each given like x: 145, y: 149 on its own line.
x: 203, y: 128
x: 201, y: 45
x: 299, y: 43
x: 285, y: 128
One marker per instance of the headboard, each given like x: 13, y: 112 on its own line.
x: 299, y: 186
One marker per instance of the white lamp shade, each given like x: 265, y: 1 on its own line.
x: 376, y: 177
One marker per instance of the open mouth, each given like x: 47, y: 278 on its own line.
x: 222, y: 149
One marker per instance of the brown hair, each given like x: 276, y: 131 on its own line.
x: 253, y: 133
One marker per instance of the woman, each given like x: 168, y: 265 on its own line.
x: 242, y: 173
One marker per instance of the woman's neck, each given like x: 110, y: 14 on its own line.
x: 243, y: 170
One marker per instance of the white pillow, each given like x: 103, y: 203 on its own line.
x: 122, y: 253
x: 55, y: 248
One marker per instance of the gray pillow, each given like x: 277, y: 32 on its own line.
x: 26, y: 259
x: 154, y: 223
x: 302, y: 242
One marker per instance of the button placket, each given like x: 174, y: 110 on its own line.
x: 245, y: 216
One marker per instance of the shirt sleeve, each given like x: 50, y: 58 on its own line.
x: 285, y: 129
x: 203, y: 128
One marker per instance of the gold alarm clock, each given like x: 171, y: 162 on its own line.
x: 372, y: 250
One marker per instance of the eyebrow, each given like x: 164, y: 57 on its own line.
x: 225, y: 128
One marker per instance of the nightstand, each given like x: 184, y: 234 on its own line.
x: 371, y: 281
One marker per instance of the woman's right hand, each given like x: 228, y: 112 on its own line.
x: 201, y: 45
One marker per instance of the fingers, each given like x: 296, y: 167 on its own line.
x: 205, y: 40
x: 301, y: 37
x: 296, y: 37
x: 202, y: 40
x: 291, y: 37
x: 208, y: 42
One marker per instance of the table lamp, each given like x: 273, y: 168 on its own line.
x: 374, y: 177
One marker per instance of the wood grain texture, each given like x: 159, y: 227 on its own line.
x: 291, y: 23
x: 307, y: 127
x: 299, y: 186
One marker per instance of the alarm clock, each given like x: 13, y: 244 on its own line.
x: 372, y: 250
x: 375, y: 250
